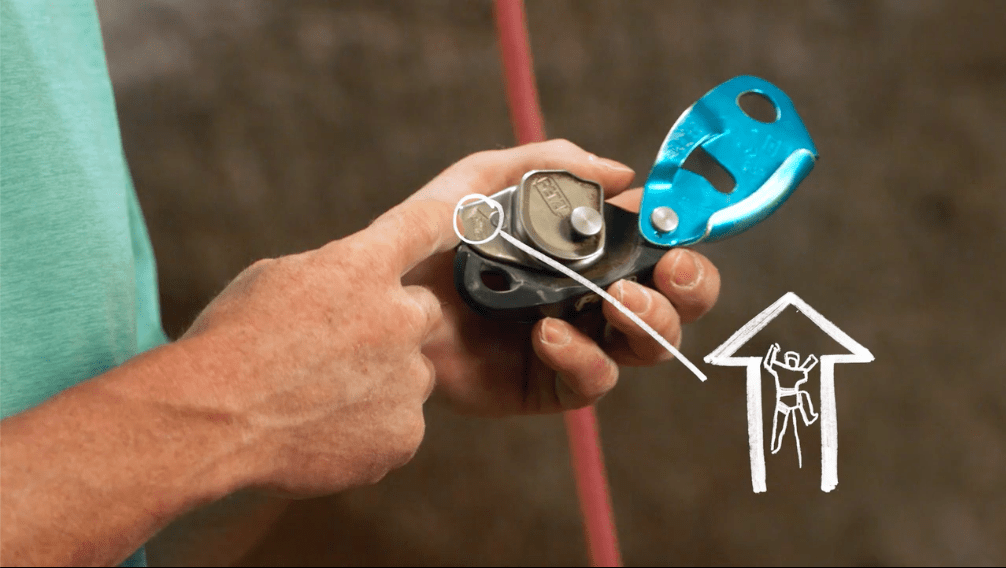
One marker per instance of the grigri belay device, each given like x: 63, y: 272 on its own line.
x: 745, y: 130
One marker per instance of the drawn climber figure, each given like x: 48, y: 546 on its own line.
x: 789, y: 399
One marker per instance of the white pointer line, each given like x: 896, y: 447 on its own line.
x: 568, y: 272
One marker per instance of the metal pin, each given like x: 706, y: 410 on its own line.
x: 586, y: 221
x: 664, y: 219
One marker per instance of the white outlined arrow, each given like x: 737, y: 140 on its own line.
x: 723, y: 356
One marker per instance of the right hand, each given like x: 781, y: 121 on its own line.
x: 316, y: 357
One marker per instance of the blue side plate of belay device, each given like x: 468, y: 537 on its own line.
x: 728, y: 162
x: 767, y: 155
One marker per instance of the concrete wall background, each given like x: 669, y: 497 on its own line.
x: 261, y: 128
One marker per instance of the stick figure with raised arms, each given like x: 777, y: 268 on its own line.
x: 789, y: 399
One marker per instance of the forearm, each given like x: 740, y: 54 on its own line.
x: 93, y: 473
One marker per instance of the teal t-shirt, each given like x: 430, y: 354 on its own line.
x: 78, y: 288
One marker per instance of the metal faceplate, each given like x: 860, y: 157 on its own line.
x: 545, y: 204
x: 766, y: 158
x: 479, y: 220
x: 540, y: 211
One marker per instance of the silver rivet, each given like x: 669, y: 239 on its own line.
x: 586, y: 221
x: 664, y: 219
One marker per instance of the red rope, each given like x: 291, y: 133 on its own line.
x: 581, y: 425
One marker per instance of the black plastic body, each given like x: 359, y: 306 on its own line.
x: 536, y: 293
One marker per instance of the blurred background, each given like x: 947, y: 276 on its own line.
x: 256, y: 128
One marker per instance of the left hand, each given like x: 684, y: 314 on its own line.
x: 498, y: 368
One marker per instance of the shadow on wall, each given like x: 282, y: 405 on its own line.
x: 256, y: 129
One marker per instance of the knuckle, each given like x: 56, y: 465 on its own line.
x: 603, y: 378
x: 424, y: 310
x: 419, y: 222
x: 377, y: 469
x: 672, y: 327
x: 339, y: 249
x: 671, y: 332
x: 608, y: 378
x: 404, y: 217
x: 472, y: 170
x: 416, y: 432
x: 563, y: 145
x: 427, y: 224
x: 375, y: 476
x: 262, y: 263
x: 410, y: 437
x: 424, y: 370
x: 354, y: 259
x: 433, y: 311
x: 675, y: 338
x: 428, y: 376
x: 480, y: 157
x: 712, y: 282
x: 657, y: 353
x: 415, y: 316
x: 251, y: 277
x: 257, y: 268
x: 649, y: 349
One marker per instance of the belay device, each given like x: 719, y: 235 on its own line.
x: 747, y: 125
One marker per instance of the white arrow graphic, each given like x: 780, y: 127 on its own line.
x: 723, y: 356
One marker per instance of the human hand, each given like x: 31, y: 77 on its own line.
x: 496, y: 368
x: 315, y: 357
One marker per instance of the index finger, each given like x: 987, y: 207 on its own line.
x: 411, y: 232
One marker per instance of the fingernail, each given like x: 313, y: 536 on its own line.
x: 610, y: 164
x: 686, y: 269
x: 634, y: 296
x: 554, y: 333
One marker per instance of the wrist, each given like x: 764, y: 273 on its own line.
x: 182, y: 394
